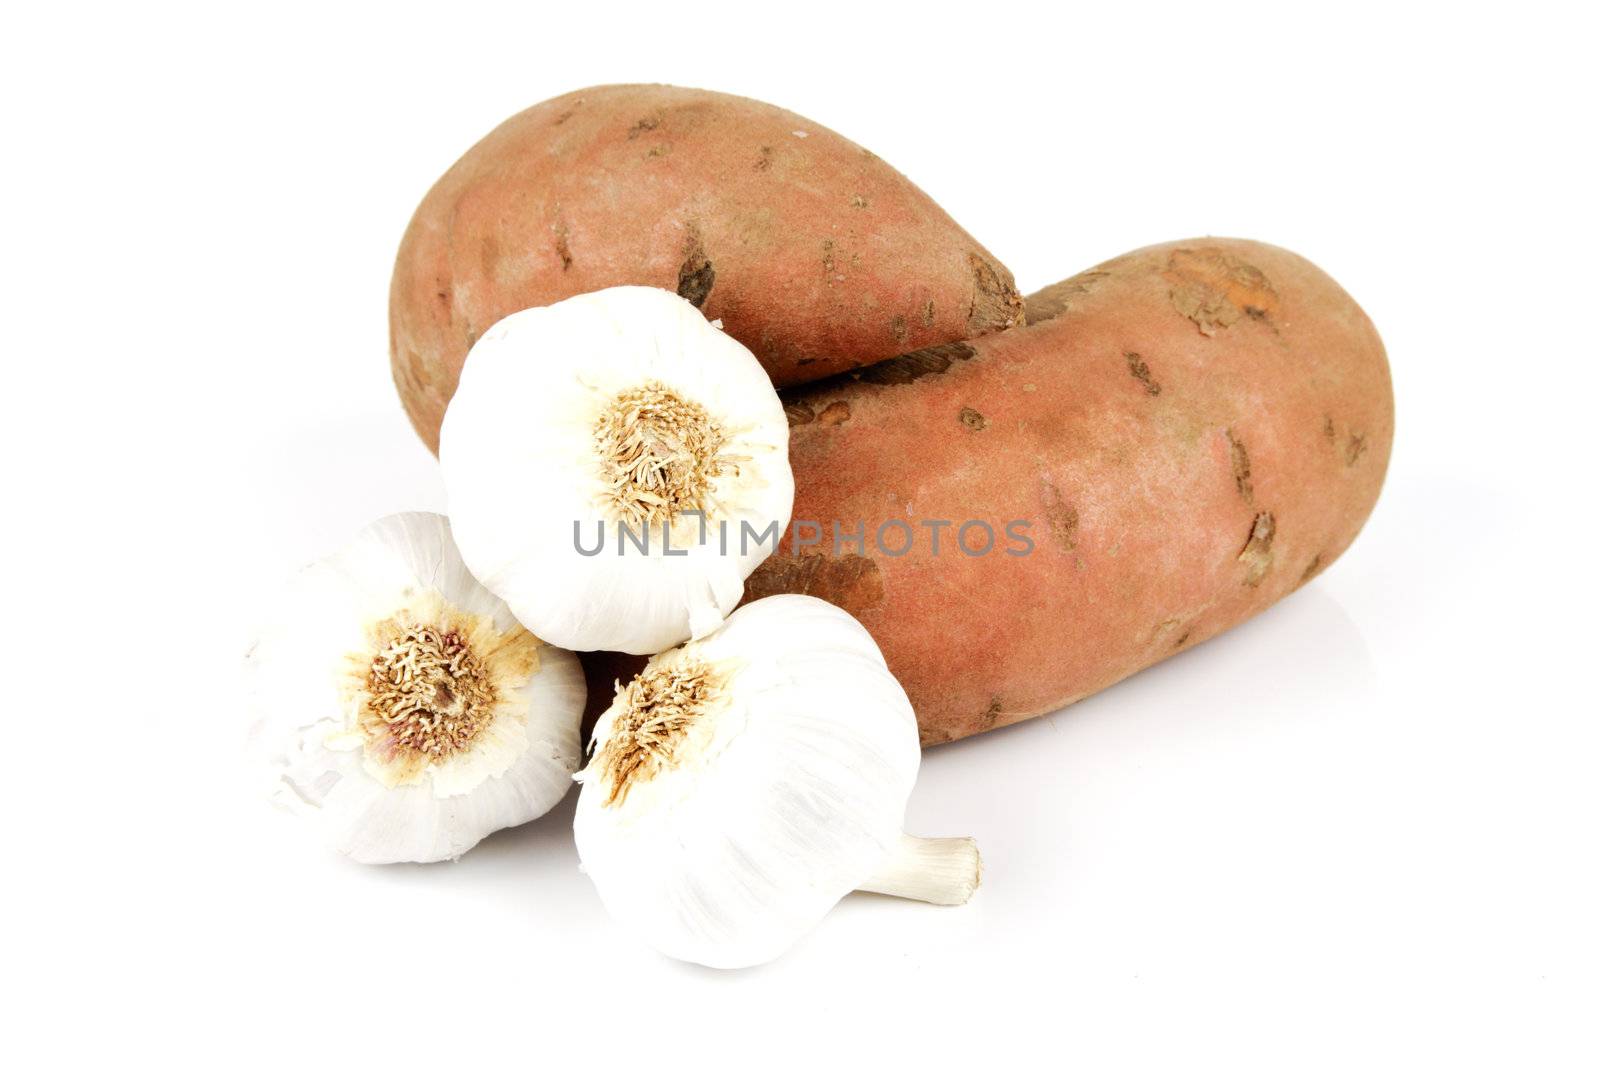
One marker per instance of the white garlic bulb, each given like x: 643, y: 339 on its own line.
x: 401, y: 704
x: 616, y: 467
x: 744, y: 783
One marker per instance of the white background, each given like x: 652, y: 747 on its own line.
x: 1360, y: 828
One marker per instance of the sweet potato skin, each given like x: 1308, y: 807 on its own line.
x: 812, y: 251
x: 1192, y: 431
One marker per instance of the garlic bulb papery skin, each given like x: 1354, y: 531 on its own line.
x: 402, y: 706
x: 622, y: 408
x: 745, y: 782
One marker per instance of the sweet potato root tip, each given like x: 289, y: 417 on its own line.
x: 996, y: 304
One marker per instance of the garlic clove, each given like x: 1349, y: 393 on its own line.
x: 401, y: 705
x: 616, y: 412
x: 744, y: 783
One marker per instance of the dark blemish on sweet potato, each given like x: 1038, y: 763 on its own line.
x: 913, y: 365
x: 1164, y: 628
x: 851, y: 582
x: 563, y: 249
x: 1141, y: 372
x: 644, y: 125
x: 696, y: 275
x: 927, y: 313
x: 1327, y: 427
x: 858, y: 201
x: 927, y: 736
x: 662, y: 149
x: 1214, y: 289
x: 996, y: 304
x: 764, y: 160
x: 1053, y: 300
x: 1257, y: 554
x: 972, y: 420
x: 827, y: 257
x: 897, y: 327
x: 991, y: 714
x: 1240, y: 460
x: 803, y: 360
x: 1060, y: 516
x: 1311, y: 569
x: 834, y: 414
x: 1353, y: 448
x: 799, y: 413
x: 564, y: 116
x: 1183, y: 639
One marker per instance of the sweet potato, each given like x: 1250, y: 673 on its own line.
x: 1190, y: 432
x: 811, y: 250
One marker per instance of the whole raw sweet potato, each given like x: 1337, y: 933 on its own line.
x: 811, y: 250
x: 1193, y: 431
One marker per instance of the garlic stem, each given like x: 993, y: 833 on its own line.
x: 939, y: 870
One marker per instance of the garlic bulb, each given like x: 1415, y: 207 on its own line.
x: 744, y: 783
x: 401, y: 704
x: 616, y: 467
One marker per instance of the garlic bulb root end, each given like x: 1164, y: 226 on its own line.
x: 939, y: 870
